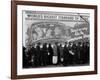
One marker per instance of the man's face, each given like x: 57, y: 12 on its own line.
x: 52, y: 45
x: 47, y: 45
x: 35, y: 45
x: 58, y: 44
x: 62, y: 45
x: 41, y: 46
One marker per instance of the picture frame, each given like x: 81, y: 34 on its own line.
x: 45, y: 11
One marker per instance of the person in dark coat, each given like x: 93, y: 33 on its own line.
x: 50, y: 50
x: 75, y: 56
x: 85, y: 53
x: 49, y: 54
x: 38, y: 62
x: 66, y: 56
x: 41, y: 52
x: 62, y: 53
x: 29, y: 57
x: 25, y: 58
x: 58, y: 52
x: 88, y: 52
x: 71, y: 53
x: 45, y: 55
x: 32, y: 57
x: 36, y: 55
x: 80, y: 53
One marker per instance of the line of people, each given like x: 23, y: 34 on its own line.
x: 64, y: 54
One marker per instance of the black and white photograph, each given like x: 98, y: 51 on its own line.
x: 55, y: 39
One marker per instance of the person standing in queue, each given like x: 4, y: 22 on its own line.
x: 66, y: 55
x: 45, y: 55
x: 41, y: 55
x: 36, y: 60
x: 50, y: 50
x: 80, y: 53
x: 87, y: 52
x: 71, y: 53
x: 25, y: 58
x: 32, y: 56
x: 35, y: 56
x: 54, y: 59
x: 75, y: 50
x: 58, y: 52
x: 62, y: 53
x: 38, y: 55
x: 48, y: 54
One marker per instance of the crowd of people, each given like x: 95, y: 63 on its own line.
x: 56, y: 54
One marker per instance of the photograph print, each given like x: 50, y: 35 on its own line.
x: 55, y: 39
